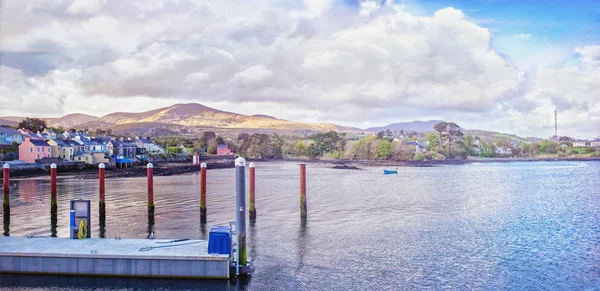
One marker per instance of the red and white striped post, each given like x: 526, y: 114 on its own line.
x: 203, y: 193
x: 252, y: 192
x: 150, y: 173
x: 53, y: 203
x: 6, y: 185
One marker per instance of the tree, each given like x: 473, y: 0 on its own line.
x: 380, y: 134
x: 33, y: 124
x: 384, y: 149
x: 433, y: 140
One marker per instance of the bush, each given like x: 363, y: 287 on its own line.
x: 419, y: 157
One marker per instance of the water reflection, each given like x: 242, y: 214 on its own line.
x: 301, y: 243
x: 151, y: 222
x: 6, y: 221
x: 53, y: 222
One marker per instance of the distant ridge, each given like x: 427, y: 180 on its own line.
x: 419, y: 126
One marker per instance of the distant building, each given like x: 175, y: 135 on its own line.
x: 579, y: 143
x: 31, y: 150
x: 595, y: 143
x: 9, y: 135
x: 223, y: 150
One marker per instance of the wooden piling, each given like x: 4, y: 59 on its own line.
x: 303, y: 205
x: 203, y: 193
x: 101, y: 199
x: 252, y: 192
x: 53, y: 203
x: 101, y: 187
x: 150, y: 173
x: 6, y: 186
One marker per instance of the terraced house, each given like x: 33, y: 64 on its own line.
x: 31, y: 150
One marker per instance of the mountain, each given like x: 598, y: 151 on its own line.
x: 71, y: 120
x: 192, y: 118
x: 419, y: 126
x: 197, y: 115
x: 8, y: 122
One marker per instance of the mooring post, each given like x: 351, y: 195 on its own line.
x: 252, y: 192
x: 203, y: 193
x: 240, y: 189
x: 150, y: 173
x: 303, y: 207
x: 101, y: 189
x: 53, y: 204
x: 6, y: 185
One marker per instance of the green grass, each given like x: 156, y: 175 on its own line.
x: 579, y: 150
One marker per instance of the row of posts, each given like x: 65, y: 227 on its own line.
x: 240, y: 174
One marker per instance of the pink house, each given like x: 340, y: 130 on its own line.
x: 31, y: 150
x: 223, y: 150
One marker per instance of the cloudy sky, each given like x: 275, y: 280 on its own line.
x: 490, y: 64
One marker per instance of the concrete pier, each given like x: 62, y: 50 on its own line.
x: 111, y: 257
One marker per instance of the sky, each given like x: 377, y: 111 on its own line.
x: 498, y: 65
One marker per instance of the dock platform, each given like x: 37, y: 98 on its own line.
x: 111, y: 257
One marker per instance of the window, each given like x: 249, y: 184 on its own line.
x: 31, y: 150
x: 38, y: 149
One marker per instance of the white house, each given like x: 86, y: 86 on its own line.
x: 596, y: 143
x: 579, y: 143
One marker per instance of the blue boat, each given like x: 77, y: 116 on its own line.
x: 388, y: 172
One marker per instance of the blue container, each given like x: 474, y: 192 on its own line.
x: 73, y: 218
x: 219, y: 240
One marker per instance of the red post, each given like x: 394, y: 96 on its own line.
x: 252, y: 192
x: 203, y: 192
x: 53, y: 204
x: 150, y: 172
x: 6, y: 184
x: 303, y: 207
x: 101, y: 188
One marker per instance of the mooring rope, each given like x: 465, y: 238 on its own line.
x: 145, y: 249
x: 82, y: 230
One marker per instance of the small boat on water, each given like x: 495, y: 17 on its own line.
x: 388, y: 172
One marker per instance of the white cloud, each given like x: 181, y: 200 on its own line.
x: 306, y: 61
x: 522, y: 36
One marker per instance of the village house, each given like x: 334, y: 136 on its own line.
x: 183, y: 149
x: 28, y: 134
x: 146, y: 143
x: 579, y: 143
x: 503, y: 150
x: 61, y: 149
x: 9, y: 135
x: 32, y: 149
x: 595, y: 143
x: 223, y: 150
x: 50, y: 133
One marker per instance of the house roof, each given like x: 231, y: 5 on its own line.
x: 144, y: 140
x: 9, y: 130
x: 39, y: 143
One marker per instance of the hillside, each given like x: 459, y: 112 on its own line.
x: 71, y: 120
x: 419, y: 126
x: 197, y: 115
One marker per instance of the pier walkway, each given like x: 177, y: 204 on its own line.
x: 111, y: 257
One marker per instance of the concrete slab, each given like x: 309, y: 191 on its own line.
x: 111, y: 257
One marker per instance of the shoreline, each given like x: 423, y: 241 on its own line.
x: 177, y: 168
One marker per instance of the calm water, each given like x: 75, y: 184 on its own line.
x: 532, y: 226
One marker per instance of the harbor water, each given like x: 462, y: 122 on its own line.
x: 487, y: 226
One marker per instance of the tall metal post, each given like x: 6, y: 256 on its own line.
x: 6, y: 186
x: 303, y: 206
x: 150, y: 174
x: 53, y: 204
x: 101, y: 188
x: 203, y: 193
x: 240, y: 187
x: 252, y: 191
